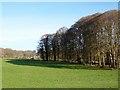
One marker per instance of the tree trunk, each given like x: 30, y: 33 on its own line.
x: 114, y: 59
x: 46, y: 48
x: 103, y: 61
x: 99, y: 62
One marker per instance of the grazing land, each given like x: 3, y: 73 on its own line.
x: 50, y: 74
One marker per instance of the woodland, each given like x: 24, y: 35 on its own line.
x: 92, y: 40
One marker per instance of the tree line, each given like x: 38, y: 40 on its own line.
x: 92, y: 40
x: 9, y: 53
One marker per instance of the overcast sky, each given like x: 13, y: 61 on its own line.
x: 23, y: 23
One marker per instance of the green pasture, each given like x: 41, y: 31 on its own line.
x: 18, y: 73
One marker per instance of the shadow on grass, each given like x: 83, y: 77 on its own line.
x: 50, y: 64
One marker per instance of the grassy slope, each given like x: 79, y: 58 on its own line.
x: 36, y: 74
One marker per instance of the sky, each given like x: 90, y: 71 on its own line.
x: 23, y: 23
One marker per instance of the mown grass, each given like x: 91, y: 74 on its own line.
x: 49, y: 74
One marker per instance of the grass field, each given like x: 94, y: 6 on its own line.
x: 43, y: 74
